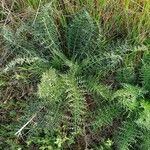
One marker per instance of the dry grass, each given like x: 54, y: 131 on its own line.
x: 119, y: 18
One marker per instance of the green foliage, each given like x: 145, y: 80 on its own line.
x: 82, y: 34
x: 18, y: 42
x: 46, y: 141
x: 9, y: 115
x: 99, y: 89
x: 76, y: 102
x: 45, y: 31
x: 62, y: 99
x: 105, y: 145
x: 106, y: 115
x: 146, y: 72
x: 126, y: 75
x: 126, y: 135
x: 80, y: 90
x: 144, y: 119
x: 17, y: 77
x: 145, y: 145
x: 129, y: 96
x: 50, y: 86
x: 35, y: 64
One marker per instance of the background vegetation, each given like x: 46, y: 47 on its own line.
x: 75, y: 74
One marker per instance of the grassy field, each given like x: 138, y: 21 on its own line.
x: 75, y: 74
